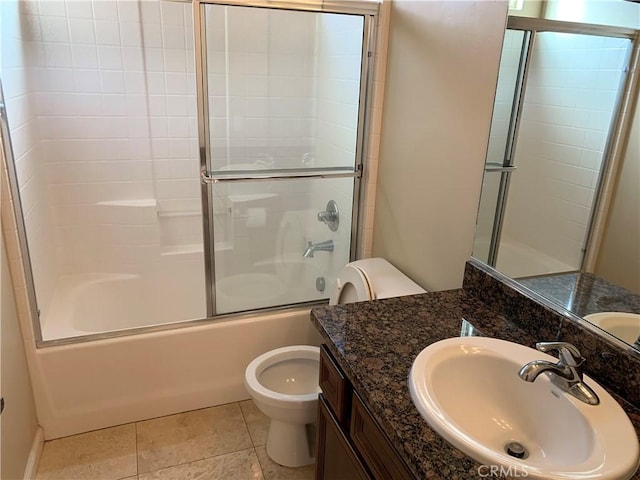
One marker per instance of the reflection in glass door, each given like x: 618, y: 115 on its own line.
x: 499, y: 160
x: 282, y: 128
x: 571, y: 89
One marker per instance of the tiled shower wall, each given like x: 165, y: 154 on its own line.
x: 21, y: 32
x: 571, y: 91
x: 109, y: 86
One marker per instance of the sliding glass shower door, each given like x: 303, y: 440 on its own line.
x: 176, y: 161
x: 567, y: 91
x: 283, y: 97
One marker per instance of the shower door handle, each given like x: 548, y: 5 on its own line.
x: 496, y: 167
x: 277, y: 174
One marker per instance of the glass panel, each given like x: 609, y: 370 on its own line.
x: 262, y: 230
x: 504, y: 104
x: 283, y: 94
x: 497, y: 154
x: 572, y: 92
x: 486, y: 215
x: 283, y: 86
x: 104, y: 128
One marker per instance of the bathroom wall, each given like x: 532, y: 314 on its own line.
x: 619, y: 255
x: 571, y: 92
x: 621, y: 13
x: 439, y: 95
x: 19, y: 421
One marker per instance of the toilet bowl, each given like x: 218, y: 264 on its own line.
x: 284, y: 382
x: 284, y: 386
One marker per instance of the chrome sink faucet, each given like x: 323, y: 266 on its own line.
x: 317, y: 247
x: 566, y: 374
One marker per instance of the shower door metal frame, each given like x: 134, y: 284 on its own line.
x: 618, y: 132
x: 18, y: 215
x: 507, y: 167
x: 369, y: 12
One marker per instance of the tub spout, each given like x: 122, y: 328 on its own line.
x: 317, y: 247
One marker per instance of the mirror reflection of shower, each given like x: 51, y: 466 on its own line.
x: 103, y: 108
x: 555, y: 108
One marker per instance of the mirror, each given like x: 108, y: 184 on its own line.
x: 560, y: 195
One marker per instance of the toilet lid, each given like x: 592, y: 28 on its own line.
x: 352, y: 285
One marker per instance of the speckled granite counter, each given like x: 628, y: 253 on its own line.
x: 375, y: 344
x: 583, y: 293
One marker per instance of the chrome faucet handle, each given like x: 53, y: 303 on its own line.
x: 330, y: 216
x: 567, y: 353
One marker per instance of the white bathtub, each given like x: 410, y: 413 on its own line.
x: 86, y: 386
x: 100, y: 383
x: 516, y: 259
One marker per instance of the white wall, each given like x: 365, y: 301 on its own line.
x: 619, y: 254
x: 19, y: 422
x: 621, y: 13
x: 441, y: 79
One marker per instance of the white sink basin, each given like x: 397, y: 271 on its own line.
x: 625, y: 326
x: 468, y: 390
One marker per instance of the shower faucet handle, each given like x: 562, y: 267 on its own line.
x: 330, y: 216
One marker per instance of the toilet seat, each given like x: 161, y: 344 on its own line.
x: 352, y: 285
x: 271, y: 358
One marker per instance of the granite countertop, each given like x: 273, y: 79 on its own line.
x: 375, y: 344
x: 583, y: 293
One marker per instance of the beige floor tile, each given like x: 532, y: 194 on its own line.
x: 107, y: 454
x: 241, y: 465
x: 272, y: 471
x: 257, y: 422
x: 186, y: 437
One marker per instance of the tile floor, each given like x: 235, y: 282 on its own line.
x: 217, y: 443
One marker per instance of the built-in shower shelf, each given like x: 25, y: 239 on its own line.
x: 192, y: 248
x: 182, y: 249
x: 178, y: 213
x: 251, y: 197
x: 140, y: 203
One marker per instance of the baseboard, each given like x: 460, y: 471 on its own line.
x: 31, y: 468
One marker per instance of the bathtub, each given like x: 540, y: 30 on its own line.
x: 516, y: 259
x: 94, y: 303
x: 91, y: 385
x: 100, y: 383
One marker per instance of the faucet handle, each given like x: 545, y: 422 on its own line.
x: 567, y: 353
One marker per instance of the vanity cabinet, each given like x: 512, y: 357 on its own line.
x: 351, y: 445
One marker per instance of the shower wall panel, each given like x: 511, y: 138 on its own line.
x: 101, y: 100
x: 20, y: 43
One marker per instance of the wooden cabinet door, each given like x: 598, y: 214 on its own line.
x: 336, y: 459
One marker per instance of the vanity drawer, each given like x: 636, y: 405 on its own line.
x: 374, y: 447
x: 335, y: 387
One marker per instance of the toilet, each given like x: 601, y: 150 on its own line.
x: 284, y: 382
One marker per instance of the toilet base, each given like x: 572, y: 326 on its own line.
x: 288, y: 444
